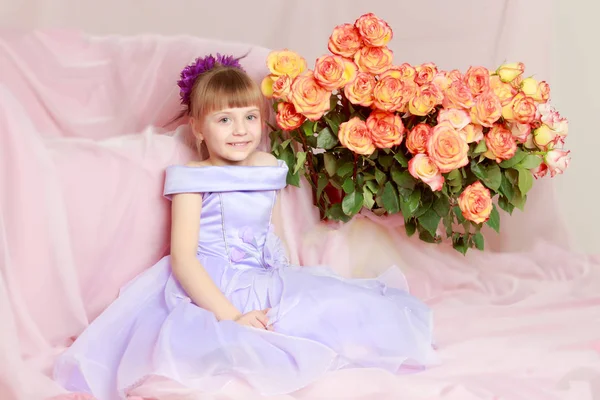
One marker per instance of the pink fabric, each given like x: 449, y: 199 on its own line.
x: 81, y: 213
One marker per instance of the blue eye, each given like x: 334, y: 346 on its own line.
x: 251, y: 117
x: 224, y: 120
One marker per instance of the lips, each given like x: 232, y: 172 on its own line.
x: 239, y: 144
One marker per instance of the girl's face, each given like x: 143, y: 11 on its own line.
x: 230, y: 135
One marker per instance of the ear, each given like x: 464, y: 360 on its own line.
x: 196, y: 128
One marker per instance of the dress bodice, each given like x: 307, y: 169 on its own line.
x: 237, y: 208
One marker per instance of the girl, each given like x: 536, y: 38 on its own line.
x: 226, y: 304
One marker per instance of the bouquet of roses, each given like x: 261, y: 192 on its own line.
x: 444, y: 148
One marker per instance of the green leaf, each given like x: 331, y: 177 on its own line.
x: 352, y: 203
x: 494, y: 220
x: 285, y: 143
x: 334, y: 120
x: 300, y: 160
x: 410, y: 227
x: 348, y: 185
x: 480, y: 148
x: 425, y: 236
x: 454, y: 175
x: 330, y: 163
x: 321, y: 183
x: 389, y: 198
x: 458, y: 214
x: 410, y: 205
x: 336, y: 213
x: 401, y: 158
x: 333, y: 101
x: 506, y: 188
x: 403, y: 179
x: 287, y: 155
x: 326, y: 139
x: 380, y: 177
x: 517, y: 158
x: 308, y: 127
x: 460, y: 245
x: 479, y: 241
x: 531, y: 161
x: 441, y: 206
x: 448, y: 221
x: 519, y: 200
x: 430, y: 220
x: 369, y: 200
x: 385, y: 161
x: 491, y: 175
x: 505, y: 204
x: 372, y: 186
x: 525, y: 180
x: 345, y: 169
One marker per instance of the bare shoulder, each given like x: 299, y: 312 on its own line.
x: 197, y: 164
x: 263, y: 159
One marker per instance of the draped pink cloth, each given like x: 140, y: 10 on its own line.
x: 84, y: 140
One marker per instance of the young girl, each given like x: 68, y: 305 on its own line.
x: 226, y: 304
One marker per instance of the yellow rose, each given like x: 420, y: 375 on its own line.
x: 500, y: 143
x: 282, y: 87
x: 421, y: 167
x: 475, y: 203
x: 457, y: 118
x: 521, y: 108
x: 425, y: 73
x: 427, y: 97
x: 266, y: 86
x: 403, y: 72
x: 510, y: 72
x: 374, y: 60
x: 308, y: 97
x: 333, y: 72
x: 345, y: 40
x: 447, y: 148
x: 374, y: 31
x: 388, y: 94
x: 538, y: 91
x: 286, y: 62
x: 418, y: 137
x: 287, y: 117
x: 387, y: 129
x: 472, y: 133
x: 360, y: 90
x: 355, y: 136
x: 504, y: 91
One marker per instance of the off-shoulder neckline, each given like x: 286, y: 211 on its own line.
x: 280, y: 164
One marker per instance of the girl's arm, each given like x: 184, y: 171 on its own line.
x: 185, y: 227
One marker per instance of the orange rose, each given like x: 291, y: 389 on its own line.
x: 345, y: 40
x: 521, y: 108
x: 457, y: 118
x: 418, y: 137
x: 287, y: 117
x: 421, y: 167
x: 374, y: 31
x: 478, y: 80
x: 500, y: 143
x: 510, y: 72
x: 458, y: 95
x: 403, y: 72
x: 308, y: 97
x: 425, y: 73
x: 447, y: 148
x: 388, y: 94
x: 374, y: 60
x: 360, y: 90
x: 282, y: 87
x: 455, y: 75
x: 386, y: 129
x: 334, y: 72
x: 472, y: 133
x: 427, y: 97
x: 538, y: 91
x: 355, y: 136
x: 475, y: 203
x: 286, y: 62
x: 504, y: 91
x: 487, y: 109
x: 442, y: 80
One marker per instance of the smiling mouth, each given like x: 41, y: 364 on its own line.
x: 239, y: 144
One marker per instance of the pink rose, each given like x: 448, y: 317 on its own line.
x: 540, y: 171
x: 557, y: 161
x: 472, y: 133
x: 457, y: 118
x: 421, y: 167
x: 520, y: 131
x: 425, y: 73
x: 487, y: 109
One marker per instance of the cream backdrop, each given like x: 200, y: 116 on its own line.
x: 556, y: 39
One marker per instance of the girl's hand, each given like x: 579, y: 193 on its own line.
x: 256, y: 319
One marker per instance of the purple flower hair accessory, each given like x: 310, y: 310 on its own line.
x: 200, y: 66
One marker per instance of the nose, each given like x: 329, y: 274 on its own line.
x: 239, y: 129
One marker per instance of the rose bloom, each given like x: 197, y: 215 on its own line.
x: 504, y: 91
x: 475, y: 203
x: 500, y: 143
x: 478, y: 80
x: 421, y: 167
x: 427, y: 97
x: 458, y: 95
x: 540, y: 171
x: 457, y: 118
x: 545, y: 138
x: 520, y: 131
x: 403, y: 72
x: 509, y: 72
x: 355, y: 136
x: 538, y: 91
x: 521, y: 108
x: 447, y: 148
x: 282, y: 87
x: 388, y: 94
x: 442, y: 80
x: 374, y: 31
x: 309, y: 98
x: 345, y: 40
x: 418, y: 137
x: 333, y: 72
x: 287, y: 117
x: 425, y: 73
x: 286, y: 62
x: 374, y: 60
x: 557, y: 161
x: 487, y: 109
x: 472, y: 133
x: 386, y: 129
x: 360, y: 90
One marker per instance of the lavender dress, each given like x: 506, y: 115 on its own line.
x: 322, y: 322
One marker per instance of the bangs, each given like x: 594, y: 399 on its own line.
x: 226, y: 88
